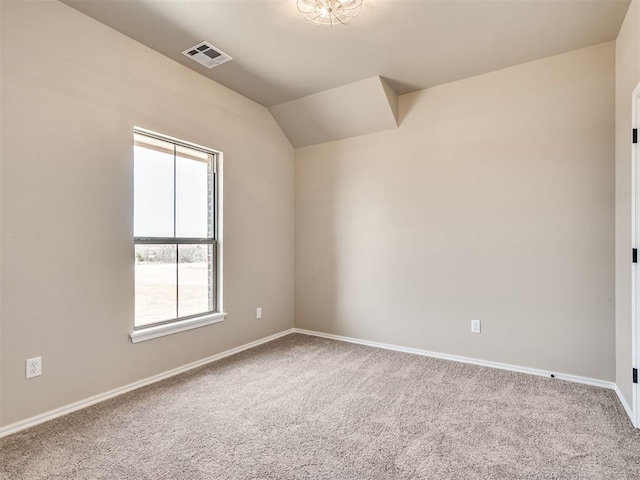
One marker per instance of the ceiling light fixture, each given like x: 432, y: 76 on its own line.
x: 329, y: 12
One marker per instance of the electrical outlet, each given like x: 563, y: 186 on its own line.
x: 259, y: 312
x: 34, y: 367
x: 475, y: 326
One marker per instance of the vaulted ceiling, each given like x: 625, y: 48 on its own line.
x: 279, y: 57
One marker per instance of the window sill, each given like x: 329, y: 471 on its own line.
x: 149, y: 333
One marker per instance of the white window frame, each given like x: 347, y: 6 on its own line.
x: 169, y: 327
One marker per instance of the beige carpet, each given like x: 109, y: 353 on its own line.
x: 308, y: 408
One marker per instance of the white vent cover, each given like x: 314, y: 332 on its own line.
x: 206, y: 54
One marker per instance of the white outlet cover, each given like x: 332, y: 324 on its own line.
x: 259, y: 312
x: 475, y: 326
x: 33, y: 367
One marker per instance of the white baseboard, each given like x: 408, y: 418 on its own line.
x: 473, y: 361
x: 58, y: 412
x: 625, y: 405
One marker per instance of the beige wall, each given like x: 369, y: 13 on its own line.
x: 627, y: 77
x: 72, y: 90
x: 1, y: 214
x: 494, y: 200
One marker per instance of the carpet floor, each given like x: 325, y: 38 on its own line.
x: 309, y: 408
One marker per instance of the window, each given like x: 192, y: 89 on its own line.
x: 175, y: 235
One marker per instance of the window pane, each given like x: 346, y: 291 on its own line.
x: 153, y: 190
x: 195, y: 279
x: 193, y: 194
x: 156, y: 292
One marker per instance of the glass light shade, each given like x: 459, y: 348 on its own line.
x: 329, y: 12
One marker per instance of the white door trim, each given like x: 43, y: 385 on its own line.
x: 635, y: 270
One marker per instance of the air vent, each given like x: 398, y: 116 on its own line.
x: 206, y: 54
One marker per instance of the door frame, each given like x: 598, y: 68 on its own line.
x: 635, y: 269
